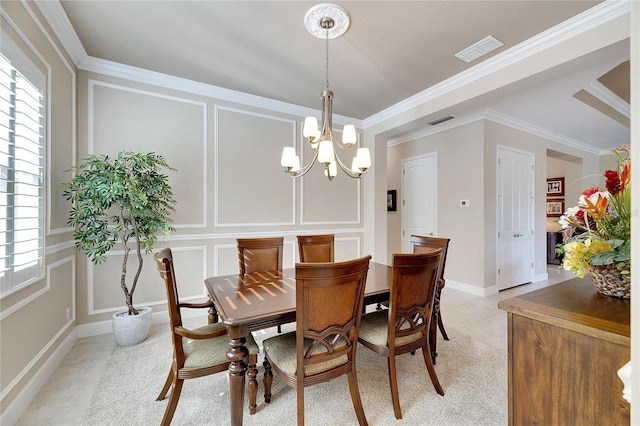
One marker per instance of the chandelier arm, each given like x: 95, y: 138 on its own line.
x: 306, y: 168
x: 345, y: 169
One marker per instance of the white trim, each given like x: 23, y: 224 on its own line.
x: 216, y: 204
x: 90, y: 284
x: 500, y: 118
x: 21, y: 402
x: 591, y: 18
x: 6, y: 311
x: 49, y: 97
x: 51, y: 342
x: 257, y: 234
x: 114, y: 69
x: 603, y: 93
x: 471, y: 289
x: 91, y: 84
x: 57, y: 19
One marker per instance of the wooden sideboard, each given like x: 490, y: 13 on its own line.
x: 566, y: 344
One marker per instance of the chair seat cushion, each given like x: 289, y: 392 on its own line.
x: 374, y: 327
x: 282, y: 353
x: 208, y: 352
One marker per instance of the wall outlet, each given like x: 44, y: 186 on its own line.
x: 464, y: 203
x: 68, y: 313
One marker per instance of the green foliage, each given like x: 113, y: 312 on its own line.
x: 119, y: 200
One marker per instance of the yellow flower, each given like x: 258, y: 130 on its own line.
x: 577, y: 254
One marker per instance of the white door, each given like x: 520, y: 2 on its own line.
x: 515, y: 176
x: 418, y: 197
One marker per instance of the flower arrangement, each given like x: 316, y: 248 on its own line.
x: 600, y: 225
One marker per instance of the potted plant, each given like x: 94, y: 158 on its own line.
x: 128, y: 200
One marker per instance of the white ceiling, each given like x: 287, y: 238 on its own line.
x: 392, y: 51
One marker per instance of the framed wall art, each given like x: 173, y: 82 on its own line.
x: 555, y: 187
x: 391, y: 200
x: 555, y: 208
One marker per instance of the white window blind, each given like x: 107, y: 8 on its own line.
x: 21, y: 170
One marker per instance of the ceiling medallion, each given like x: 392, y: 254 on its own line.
x: 317, y: 17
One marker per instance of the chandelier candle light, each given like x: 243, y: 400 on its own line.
x: 327, y: 21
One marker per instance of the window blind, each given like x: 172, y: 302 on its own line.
x: 21, y: 171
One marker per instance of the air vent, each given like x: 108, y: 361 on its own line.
x: 441, y: 120
x: 479, y: 49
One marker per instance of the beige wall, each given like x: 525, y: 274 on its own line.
x: 460, y: 168
x: 466, y: 162
x: 33, y: 321
x: 228, y: 184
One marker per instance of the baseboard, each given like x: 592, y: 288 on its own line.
x: 540, y: 277
x: 472, y: 289
x: 15, y: 409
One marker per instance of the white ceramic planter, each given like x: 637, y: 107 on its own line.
x: 130, y: 330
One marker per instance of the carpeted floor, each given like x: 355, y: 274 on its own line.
x: 472, y: 373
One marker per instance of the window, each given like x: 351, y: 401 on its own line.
x: 21, y: 170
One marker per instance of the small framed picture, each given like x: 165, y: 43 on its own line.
x: 391, y: 200
x: 555, y: 208
x: 555, y: 187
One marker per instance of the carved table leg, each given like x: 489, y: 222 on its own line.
x: 237, y: 353
x: 252, y: 372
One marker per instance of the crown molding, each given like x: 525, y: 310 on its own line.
x: 118, y: 70
x: 499, y: 118
x: 596, y: 16
x: 589, y: 19
x: 604, y: 94
x: 57, y: 19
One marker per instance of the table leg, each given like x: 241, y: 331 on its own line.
x: 237, y: 354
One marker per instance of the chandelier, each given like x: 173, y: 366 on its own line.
x: 327, y: 21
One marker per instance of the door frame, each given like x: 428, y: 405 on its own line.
x: 532, y: 206
x: 403, y: 161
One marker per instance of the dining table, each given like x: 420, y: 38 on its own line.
x: 260, y: 300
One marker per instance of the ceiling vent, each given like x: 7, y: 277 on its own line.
x: 479, y: 49
x: 441, y: 120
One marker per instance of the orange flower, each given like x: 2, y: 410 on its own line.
x: 625, y: 175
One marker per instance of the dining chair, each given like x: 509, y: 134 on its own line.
x: 316, y: 248
x: 329, y: 299
x: 404, y: 327
x: 260, y: 255
x: 196, y: 352
x: 424, y: 244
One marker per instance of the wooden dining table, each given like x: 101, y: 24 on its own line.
x: 260, y: 300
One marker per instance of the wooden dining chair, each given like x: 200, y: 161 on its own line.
x: 329, y: 299
x: 425, y: 244
x: 260, y: 254
x: 404, y: 327
x: 316, y: 248
x: 196, y: 352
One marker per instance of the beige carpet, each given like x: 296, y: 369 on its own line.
x: 472, y: 373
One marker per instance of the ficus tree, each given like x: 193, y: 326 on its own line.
x: 126, y: 199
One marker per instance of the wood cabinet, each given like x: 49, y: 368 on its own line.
x: 566, y: 344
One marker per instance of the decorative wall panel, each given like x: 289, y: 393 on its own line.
x: 251, y: 187
x: 122, y: 118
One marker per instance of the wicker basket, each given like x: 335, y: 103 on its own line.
x: 610, y: 281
